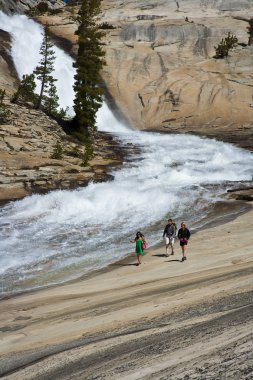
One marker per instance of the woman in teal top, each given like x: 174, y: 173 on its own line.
x: 138, y: 246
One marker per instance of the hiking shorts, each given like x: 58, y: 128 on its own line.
x: 183, y: 242
x: 169, y: 240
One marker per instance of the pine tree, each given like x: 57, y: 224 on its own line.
x: 88, y: 94
x: 4, y: 112
x: 26, y: 90
x: 44, y: 70
x: 51, y: 101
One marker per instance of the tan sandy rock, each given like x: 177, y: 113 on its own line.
x: 161, y: 67
x: 26, y: 147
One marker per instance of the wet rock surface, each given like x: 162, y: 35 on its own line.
x: 8, y: 77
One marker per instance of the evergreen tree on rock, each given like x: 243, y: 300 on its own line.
x: 26, y: 90
x: 90, y: 60
x: 43, y: 73
x: 51, y: 100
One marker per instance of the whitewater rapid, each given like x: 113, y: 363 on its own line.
x: 51, y: 238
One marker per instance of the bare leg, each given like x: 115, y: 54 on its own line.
x: 183, y: 252
x: 167, y: 249
x: 139, y: 259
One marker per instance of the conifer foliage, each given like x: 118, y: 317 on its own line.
x: 4, y: 112
x: 43, y: 72
x: 226, y: 44
x: 47, y: 99
x: 26, y: 90
x: 90, y: 60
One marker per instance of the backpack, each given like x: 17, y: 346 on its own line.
x: 175, y: 226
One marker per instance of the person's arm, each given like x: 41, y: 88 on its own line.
x: 188, y: 234
x: 164, y: 232
x: 179, y: 233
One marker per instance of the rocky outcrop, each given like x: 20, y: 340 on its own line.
x: 26, y: 148
x: 14, y: 6
x: 163, y: 70
x: 160, y: 70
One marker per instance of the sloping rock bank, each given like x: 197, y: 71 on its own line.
x: 26, y: 147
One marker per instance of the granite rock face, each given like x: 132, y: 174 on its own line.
x: 160, y: 67
x: 20, y: 6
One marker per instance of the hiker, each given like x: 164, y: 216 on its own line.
x: 183, y: 236
x: 169, y: 235
x: 140, y: 245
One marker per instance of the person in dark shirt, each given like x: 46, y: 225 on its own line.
x: 183, y: 236
x: 169, y: 235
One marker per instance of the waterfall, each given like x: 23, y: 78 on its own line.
x: 27, y: 36
x: 50, y: 238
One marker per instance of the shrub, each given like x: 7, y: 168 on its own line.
x: 88, y: 153
x: 26, y: 90
x: 4, y: 112
x: 105, y: 25
x: 42, y: 7
x: 225, y: 45
x: 57, y: 152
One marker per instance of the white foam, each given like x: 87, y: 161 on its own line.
x: 107, y: 122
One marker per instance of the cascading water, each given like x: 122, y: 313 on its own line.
x: 51, y: 238
x: 27, y: 37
